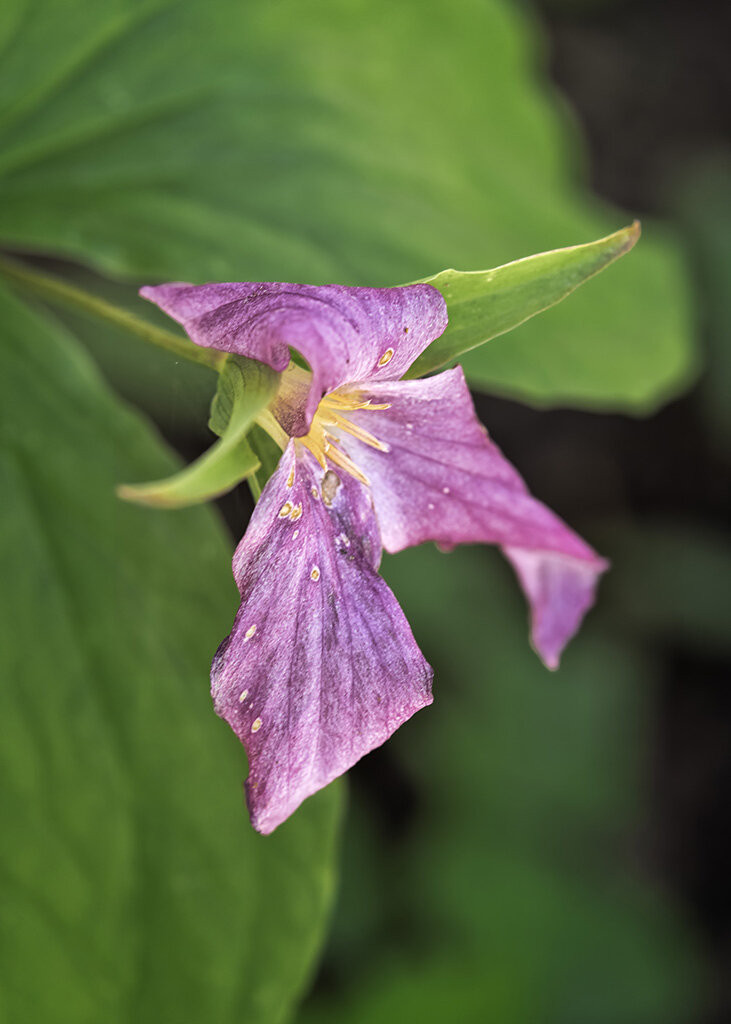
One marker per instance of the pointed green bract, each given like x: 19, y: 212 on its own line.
x: 245, y: 388
x: 485, y: 303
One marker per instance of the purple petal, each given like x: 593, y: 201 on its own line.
x: 560, y: 590
x: 347, y: 335
x: 321, y: 665
x: 443, y: 480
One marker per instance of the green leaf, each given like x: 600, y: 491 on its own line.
x: 245, y: 388
x: 133, y: 886
x: 310, y: 141
x: 485, y: 303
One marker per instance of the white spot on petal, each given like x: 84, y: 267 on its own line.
x: 256, y: 725
x: 249, y: 633
x: 244, y: 695
x: 409, y: 426
x: 386, y: 357
x: 430, y: 506
x: 446, y: 490
x: 295, y: 535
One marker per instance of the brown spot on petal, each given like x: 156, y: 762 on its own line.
x: 330, y: 484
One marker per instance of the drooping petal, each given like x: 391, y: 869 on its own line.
x: 347, y: 335
x: 442, y: 479
x: 560, y: 590
x: 321, y: 665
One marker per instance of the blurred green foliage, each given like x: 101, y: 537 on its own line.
x: 513, y: 894
x: 700, y: 199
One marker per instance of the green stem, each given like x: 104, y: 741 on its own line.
x: 62, y: 294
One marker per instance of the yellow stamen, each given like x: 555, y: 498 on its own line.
x: 329, y: 422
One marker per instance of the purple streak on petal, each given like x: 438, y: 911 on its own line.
x: 347, y: 335
x: 443, y: 480
x: 331, y: 669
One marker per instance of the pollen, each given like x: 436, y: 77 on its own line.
x: 386, y: 357
x: 285, y: 509
x: 315, y: 574
x: 244, y: 695
x: 256, y: 725
x: 249, y: 633
x: 315, y: 493
x: 295, y: 513
x: 290, y: 478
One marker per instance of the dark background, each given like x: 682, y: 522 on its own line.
x: 651, y: 83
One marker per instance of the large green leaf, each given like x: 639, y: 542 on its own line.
x: 133, y: 886
x: 326, y: 140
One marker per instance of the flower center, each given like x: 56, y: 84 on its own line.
x: 330, y: 421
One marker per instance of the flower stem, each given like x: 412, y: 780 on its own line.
x: 60, y: 293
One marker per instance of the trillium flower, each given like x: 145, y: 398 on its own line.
x: 321, y: 665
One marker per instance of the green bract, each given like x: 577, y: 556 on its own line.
x: 245, y: 388
x: 485, y: 303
